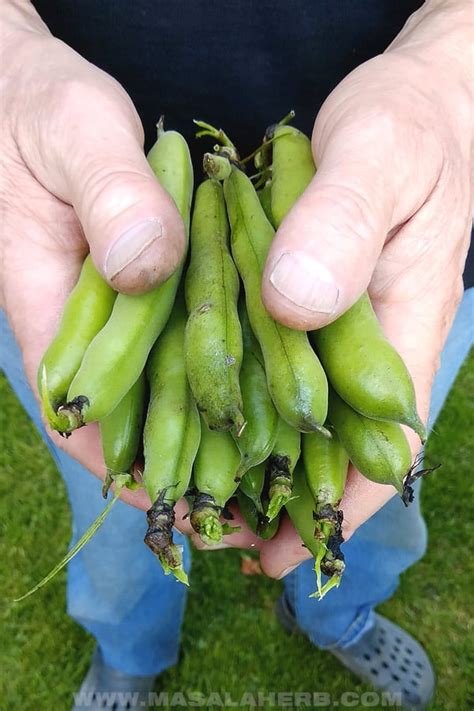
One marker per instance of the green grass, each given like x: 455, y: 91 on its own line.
x: 231, y: 639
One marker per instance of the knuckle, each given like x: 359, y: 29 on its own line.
x: 351, y: 222
x: 86, y: 89
x: 114, y: 190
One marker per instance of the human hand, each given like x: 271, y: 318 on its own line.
x: 74, y: 178
x: 389, y: 210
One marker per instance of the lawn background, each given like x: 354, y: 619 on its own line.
x: 231, y: 639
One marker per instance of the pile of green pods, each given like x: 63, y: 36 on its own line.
x: 221, y: 401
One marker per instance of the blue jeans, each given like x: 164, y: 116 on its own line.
x: 117, y: 592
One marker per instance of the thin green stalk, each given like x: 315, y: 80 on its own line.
x: 79, y: 545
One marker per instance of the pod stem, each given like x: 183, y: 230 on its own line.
x: 160, y: 126
x: 317, y: 566
x: 330, y: 559
x: 262, y: 155
x: 77, y: 547
x: 282, y: 122
x: 258, y: 150
x: 159, y: 538
x: 124, y: 479
x: 63, y: 422
x: 333, y: 582
x: 216, y: 167
x: 322, y: 430
x: 280, y: 484
x: 205, y: 520
x: 276, y: 503
x: 261, y: 178
x: 72, y: 413
x: 407, y: 494
x: 219, y: 135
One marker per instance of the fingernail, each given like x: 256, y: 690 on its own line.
x: 287, y: 571
x: 305, y: 282
x: 131, y: 245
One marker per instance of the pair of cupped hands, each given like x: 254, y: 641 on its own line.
x: 389, y: 210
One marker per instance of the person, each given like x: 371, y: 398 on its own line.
x: 389, y: 209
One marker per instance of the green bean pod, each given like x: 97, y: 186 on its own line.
x: 365, y: 369
x: 171, y: 439
x: 360, y: 363
x: 378, y: 449
x: 263, y: 155
x: 213, y: 340
x: 280, y: 468
x: 256, y: 522
x: 296, y: 380
x: 252, y: 484
x: 265, y: 197
x: 326, y: 463
x: 120, y: 434
x: 292, y: 169
x: 300, y: 509
x: 86, y: 311
x: 117, y: 355
x: 256, y: 440
x: 215, y: 466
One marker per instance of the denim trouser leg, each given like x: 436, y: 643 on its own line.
x: 387, y: 544
x: 116, y: 589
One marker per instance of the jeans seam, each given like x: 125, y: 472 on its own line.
x: 353, y: 630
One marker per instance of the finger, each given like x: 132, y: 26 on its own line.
x: 327, y: 247
x: 416, y: 318
x: 284, y: 552
x: 416, y: 309
x: 39, y: 229
x: 200, y: 546
x: 242, y: 537
x: 87, y: 149
x: 182, y: 519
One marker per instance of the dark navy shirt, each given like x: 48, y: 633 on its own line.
x: 241, y: 64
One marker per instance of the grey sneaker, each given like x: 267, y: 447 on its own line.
x: 387, y: 657
x: 107, y: 688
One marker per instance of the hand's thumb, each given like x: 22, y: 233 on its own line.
x: 325, y: 251
x: 135, y: 233
x: 96, y: 163
x: 324, y: 254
